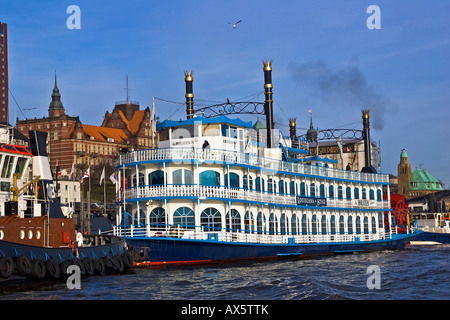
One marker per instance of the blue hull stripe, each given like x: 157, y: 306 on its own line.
x: 173, y: 250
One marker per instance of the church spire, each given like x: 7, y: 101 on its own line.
x: 56, y: 107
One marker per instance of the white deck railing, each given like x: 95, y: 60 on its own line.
x: 220, y: 156
x: 198, y: 233
x: 204, y: 192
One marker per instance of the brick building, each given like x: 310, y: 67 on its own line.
x: 72, y: 142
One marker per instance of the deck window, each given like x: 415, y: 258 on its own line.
x: 233, y: 220
x: 157, y: 218
x: 156, y: 178
x: 248, y: 222
x: 184, y: 217
x: 210, y: 219
x: 209, y: 178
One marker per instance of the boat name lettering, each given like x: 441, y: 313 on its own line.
x: 311, y: 201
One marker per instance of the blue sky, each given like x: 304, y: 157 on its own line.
x: 324, y: 59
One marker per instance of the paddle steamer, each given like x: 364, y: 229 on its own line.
x: 220, y: 189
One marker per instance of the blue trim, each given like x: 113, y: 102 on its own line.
x: 219, y: 119
x: 266, y: 204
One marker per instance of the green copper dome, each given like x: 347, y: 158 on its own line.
x: 422, y: 180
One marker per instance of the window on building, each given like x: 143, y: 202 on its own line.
x: 184, y: 217
x: 233, y: 220
x: 209, y: 178
x: 156, y: 178
x: 210, y: 219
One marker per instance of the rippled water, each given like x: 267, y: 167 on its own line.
x: 415, y: 273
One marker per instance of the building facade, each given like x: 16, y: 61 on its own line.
x: 72, y: 143
x: 4, y: 97
x: 417, y: 183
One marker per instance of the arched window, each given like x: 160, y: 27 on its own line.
x: 259, y: 184
x: 371, y: 194
x: 294, y: 224
x: 248, y: 222
x: 374, y: 225
x: 282, y: 186
x: 322, y: 190
x: 364, y: 193
x: 157, y: 218
x: 156, y: 178
x: 283, y: 223
x: 210, y: 219
x: 324, y: 224
x: 184, y: 217
x: 182, y: 176
x: 235, y: 220
x: 331, y: 191
x: 379, y: 196
x: 348, y: 191
x: 366, y: 225
x: 333, y: 224
x: 356, y: 191
x: 234, y: 180
x: 358, y: 225
x: 209, y: 178
x: 380, y: 220
x: 303, y: 189
x: 312, y: 190
x: 340, y: 193
x: 350, y: 225
x: 141, y: 180
x: 270, y: 186
x: 272, y: 223
x: 341, y: 225
x: 248, y: 183
x: 260, y: 222
x: 292, y: 188
x: 314, y: 224
x: 304, y: 224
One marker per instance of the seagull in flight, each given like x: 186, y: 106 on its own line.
x: 235, y: 24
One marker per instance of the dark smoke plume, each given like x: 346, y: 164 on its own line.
x: 346, y: 85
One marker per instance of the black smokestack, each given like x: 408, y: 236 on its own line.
x: 268, y: 104
x: 293, y: 132
x: 189, y: 94
x: 366, y: 136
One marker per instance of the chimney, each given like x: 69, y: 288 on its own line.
x: 366, y: 136
x: 189, y: 94
x: 268, y: 104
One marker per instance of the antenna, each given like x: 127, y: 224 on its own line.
x: 128, y: 97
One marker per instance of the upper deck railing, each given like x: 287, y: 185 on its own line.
x: 238, y: 158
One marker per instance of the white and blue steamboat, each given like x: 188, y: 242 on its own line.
x: 220, y: 189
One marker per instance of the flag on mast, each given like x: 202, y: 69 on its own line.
x: 102, y: 176
x: 112, y: 177
x: 86, y: 174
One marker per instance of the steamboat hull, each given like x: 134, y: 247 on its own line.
x: 159, y: 251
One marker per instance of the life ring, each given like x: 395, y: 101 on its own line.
x: 6, y: 267
x: 24, y: 265
x: 177, y: 232
x: 52, y: 267
x: 38, y: 270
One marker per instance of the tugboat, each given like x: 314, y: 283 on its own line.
x: 36, y: 239
x: 217, y: 189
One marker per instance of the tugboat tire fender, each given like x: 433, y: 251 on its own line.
x: 88, y: 265
x: 99, y: 266
x: 38, y: 270
x: 52, y: 267
x: 24, y: 266
x: 82, y: 267
x: 127, y: 259
x: 6, y: 266
x: 63, y: 268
